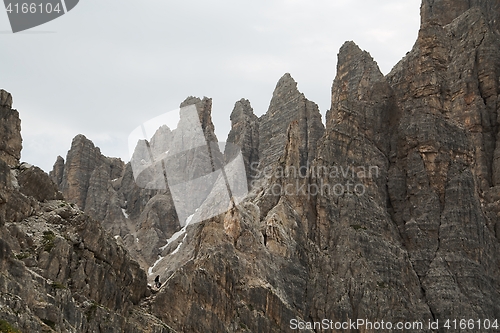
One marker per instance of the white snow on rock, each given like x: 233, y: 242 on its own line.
x: 178, y: 233
x: 174, y: 237
x: 150, y: 269
x: 178, y: 246
x: 124, y: 213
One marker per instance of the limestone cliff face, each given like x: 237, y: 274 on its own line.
x: 10, y: 132
x: 244, y: 137
x: 88, y: 179
x: 13, y: 205
x: 287, y: 105
x: 105, y: 188
x: 61, y: 272
x: 444, y: 153
x: 415, y: 237
x: 83, y: 158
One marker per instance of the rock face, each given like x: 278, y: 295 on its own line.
x: 444, y: 154
x: 61, y: 272
x: 444, y: 12
x: 287, y: 105
x: 82, y: 160
x: 389, y: 212
x: 10, y: 132
x: 397, y: 216
x: 244, y: 137
x: 13, y: 205
x: 106, y: 190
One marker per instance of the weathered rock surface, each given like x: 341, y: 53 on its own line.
x: 416, y: 236
x: 244, y: 138
x: 10, y: 132
x: 442, y: 162
x: 33, y: 182
x: 61, y: 272
x: 83, y: 158
x: 288, y: 104
x: 106, y: 189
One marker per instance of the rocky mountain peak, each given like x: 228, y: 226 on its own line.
x: 352, y: 57
x: 286, y: 82
x: 361, y: 98
x: 244, y: 136
x: 242, y: 111
x: 82, y: 140
x: 204, y: 108
x: 5, y: 98
x: 83, y: 157
x: 57, y: 171
x: 286, y: 89
x: 287, y: 105
x: 10, y: 131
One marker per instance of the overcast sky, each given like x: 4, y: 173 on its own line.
x: 108, y: 66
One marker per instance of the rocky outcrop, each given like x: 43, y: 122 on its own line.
x: 14, y: 206
x: 90, y: 180
x: 5, y: 99
x: 412, y: 238
x: 10, y: 132
x: 204, y: 108
x: 362, y: 101
x: 287, y: 105
x: 244, y: 138
x: 83, y: 158
x: 61, y: 272
x: 444, y: 154
x: 33, y: 182
x: 57, y: 172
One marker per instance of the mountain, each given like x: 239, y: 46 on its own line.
x: 389, y: 211
x: 60, y: 270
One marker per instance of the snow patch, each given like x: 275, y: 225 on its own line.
x: 188, y: 220
x: 178, y: 233
x: 124, y: 213
x: 178, y: 246
x: 150, y: 269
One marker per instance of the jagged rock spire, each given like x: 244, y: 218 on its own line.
x: 82, y: 159
x: 204, y: 108
x: 10, y: 131
x: 288, y: 104
x: 361, y: 98
x: 244, y: 136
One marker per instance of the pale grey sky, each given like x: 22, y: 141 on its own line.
x: 108, y: 66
